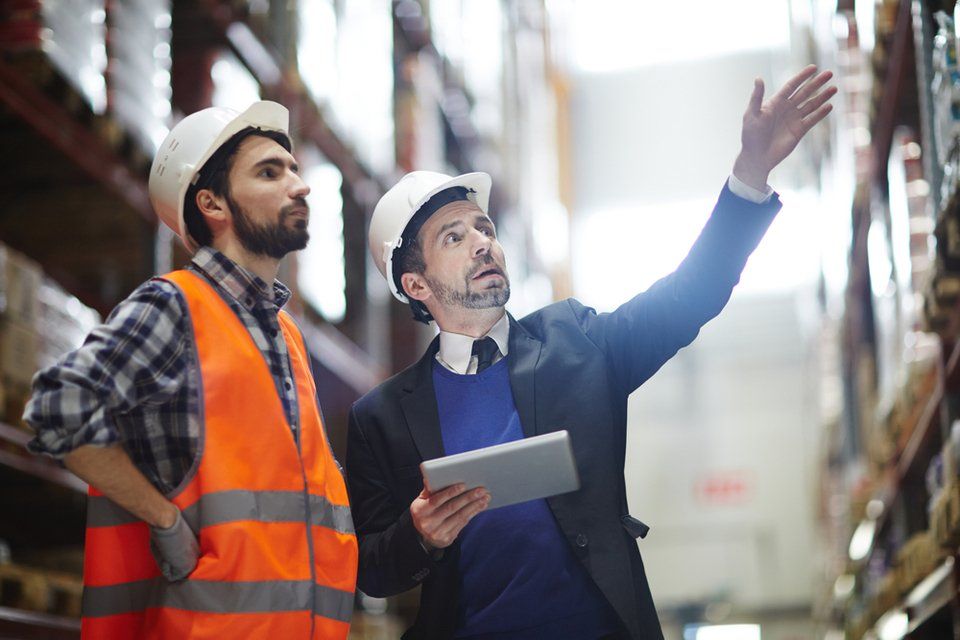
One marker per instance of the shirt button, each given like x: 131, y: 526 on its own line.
x: 288, y: 383
x: 248, y: 301
x: 273, y: 333
x: 582, y: 540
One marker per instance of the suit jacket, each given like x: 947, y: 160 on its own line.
x: 570, y: 368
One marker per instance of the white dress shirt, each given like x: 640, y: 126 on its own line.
x: 456, y: 349
x: 740, y: 188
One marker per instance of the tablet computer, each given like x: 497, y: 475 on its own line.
x: 512, y: 472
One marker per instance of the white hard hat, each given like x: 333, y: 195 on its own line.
x: 397, y: 206
x: 191, y: 143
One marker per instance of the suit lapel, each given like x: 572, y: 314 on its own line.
x: 524, y: 355
x: 419, y: 407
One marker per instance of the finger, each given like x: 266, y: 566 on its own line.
x: 756, y: 98
x: 438, y: 498
x: 811, y: 87
x: 817, y: 101
x: 815, y: 117
x: 454, y: 505
x: 441, y: 531
x: 434, y: 512
x: 794, y: 83
x: 453, y: 525
x: 425, y: 504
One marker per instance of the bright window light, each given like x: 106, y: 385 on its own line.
x: 320, y: 272
x: 618, y: 252
x: 233, y: 84
x: 317, y: 47
x: 363, y: 102
x: 723, y: 632
x: 616, y: 35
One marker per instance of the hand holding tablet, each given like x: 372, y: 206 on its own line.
x: 512, y: 472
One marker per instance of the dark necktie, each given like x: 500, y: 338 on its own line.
x: 485, y: 350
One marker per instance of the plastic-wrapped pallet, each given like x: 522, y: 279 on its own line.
x: 63, y: 323
x: 20, y: 280
x: 71, y: 34
x: 139, y: 87
x: 945, y: 87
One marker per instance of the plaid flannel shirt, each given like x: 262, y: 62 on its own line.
x: 135, y: 380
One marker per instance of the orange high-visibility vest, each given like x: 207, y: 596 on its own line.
x: 278, y: 550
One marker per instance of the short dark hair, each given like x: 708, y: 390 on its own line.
x: 409, y: 259
x: 213, y: 176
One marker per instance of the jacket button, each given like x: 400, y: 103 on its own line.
x: 582, y: 540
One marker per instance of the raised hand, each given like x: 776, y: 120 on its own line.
x: 773, y: 128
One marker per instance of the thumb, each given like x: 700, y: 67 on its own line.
x: 756, y: 98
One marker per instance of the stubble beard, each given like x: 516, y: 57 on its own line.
x: 468, y: 298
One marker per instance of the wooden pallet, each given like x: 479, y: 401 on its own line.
x: 40, y: 590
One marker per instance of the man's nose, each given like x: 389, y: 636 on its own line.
x: 299, y: 188
x: 481, y: 244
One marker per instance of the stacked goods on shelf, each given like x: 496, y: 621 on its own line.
x: 907, y: 358
x: 70, y: 34
x: 945, y: 91
x: 138, y: 73
x: 894, y: 357
x: 20, y: 280
x: 39, y: 322
x: 945, y: 498
x: 40, y: 590
x: 63, y: 323
x: 943, y: 288
x: 917, y: 559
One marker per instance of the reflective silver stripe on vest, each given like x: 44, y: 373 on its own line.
x: 104, y: 512
x: 203, y: 596
x: 233, y: 506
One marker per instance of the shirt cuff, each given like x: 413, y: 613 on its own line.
x: 741, y: 189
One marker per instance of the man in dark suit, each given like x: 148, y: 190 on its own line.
x: 567, y: 566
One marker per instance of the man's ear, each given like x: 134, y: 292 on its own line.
x: 214, y: 210
x: 415, y: 286
x: 213, y: 207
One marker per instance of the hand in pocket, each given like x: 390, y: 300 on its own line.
x: 176, y: 549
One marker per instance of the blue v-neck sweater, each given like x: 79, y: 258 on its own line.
x: 519, y: 577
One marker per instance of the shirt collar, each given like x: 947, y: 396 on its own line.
x: 247, y: 288
x: 456, y: 349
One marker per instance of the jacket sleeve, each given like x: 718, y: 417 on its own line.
x: 392, y: 559
x: 646, y: 331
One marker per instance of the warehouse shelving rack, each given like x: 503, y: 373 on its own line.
x: 925, y: 605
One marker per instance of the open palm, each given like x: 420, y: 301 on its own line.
x: 773, y: 128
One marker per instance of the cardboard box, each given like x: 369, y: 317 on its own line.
x: 18, y: 353
x: 64, y: 323
x: 20, y: 279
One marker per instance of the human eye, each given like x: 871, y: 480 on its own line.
x: 451, y: 238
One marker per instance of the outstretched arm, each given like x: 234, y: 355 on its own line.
x: 645, y: 332
x: 773, y: 128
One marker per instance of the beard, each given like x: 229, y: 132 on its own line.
x: 272, y: 240
x: 468, y: 298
